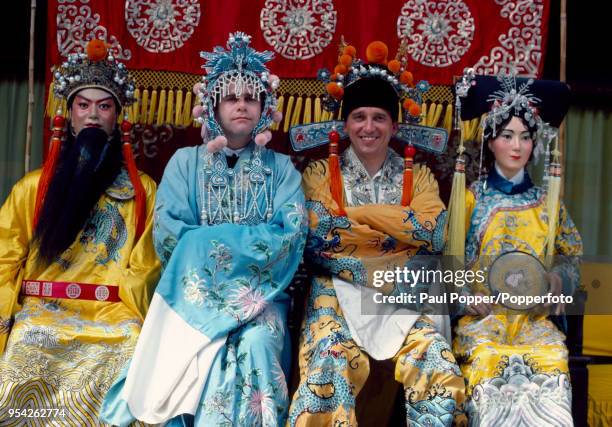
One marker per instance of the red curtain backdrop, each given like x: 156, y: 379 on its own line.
x: 443, y: 37
x: 157, y: 36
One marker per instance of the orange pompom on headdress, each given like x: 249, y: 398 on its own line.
x: 376, y: 53
x: 389, y: 81
x: 96, y: 50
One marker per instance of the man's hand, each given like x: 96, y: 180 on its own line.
x: 482, y: 309
x: 555, y: 287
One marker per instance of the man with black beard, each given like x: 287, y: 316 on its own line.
x: 77, y: 264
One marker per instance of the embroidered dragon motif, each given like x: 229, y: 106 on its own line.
x: 107, y: 227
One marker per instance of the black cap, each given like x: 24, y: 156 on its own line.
x: 370, y: 92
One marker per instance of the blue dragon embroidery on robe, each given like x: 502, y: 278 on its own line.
x: 319, y: 243
x: 323, y: 391
x: 437, y: 357
x: 427, y: 232
x: 107, y: 227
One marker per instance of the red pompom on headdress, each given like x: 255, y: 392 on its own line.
x: 96, y: 50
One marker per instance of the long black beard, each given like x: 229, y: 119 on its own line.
x: 87, y: 166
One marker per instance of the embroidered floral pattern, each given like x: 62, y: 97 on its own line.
x: 384, y: 188
x: 243, y: 297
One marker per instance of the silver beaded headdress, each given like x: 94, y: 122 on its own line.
x: 239, y: 67
x: 95, y: 69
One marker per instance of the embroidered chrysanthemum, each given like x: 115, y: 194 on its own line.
x: 248, y: 302
x: 261, y: 407
x: 280, y: 381
x: 194, y: 289
x: 222, y: 256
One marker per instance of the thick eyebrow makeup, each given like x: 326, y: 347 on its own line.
x: 96, y: 102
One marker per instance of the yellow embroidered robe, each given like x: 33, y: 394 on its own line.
x: 65, y: 353
x: 515, y: 364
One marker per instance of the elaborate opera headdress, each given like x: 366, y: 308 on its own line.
x: 375, y: 82
x: 541, y: 104
x: 242, y: 68
x: 97, y: 68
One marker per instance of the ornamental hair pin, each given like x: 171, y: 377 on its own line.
x: 509, y: 98
x: 462, y: 88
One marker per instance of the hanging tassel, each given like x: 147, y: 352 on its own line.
x: 136, y: 106
x: 297, y: 112
x: 187, y: 117
x: 317, y: 110
x: 552, y: 206
x: 437, y: 114
x: 409, y: 152
x: 49, y: 168
x: 50, y: 107
x: 429, y: 117
x: 335, y: 177
x: 447, y: 122
x: 178, y: 110
x: 455, y: 245
x: 152, y: 107
x: 144, y: 103
x: 307, y: 111
x: 170, y: 108
x: 130, y: 163
x: 288, y: 115
x: 161, y: 108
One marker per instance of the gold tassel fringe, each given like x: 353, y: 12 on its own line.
x: 173, y: 106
